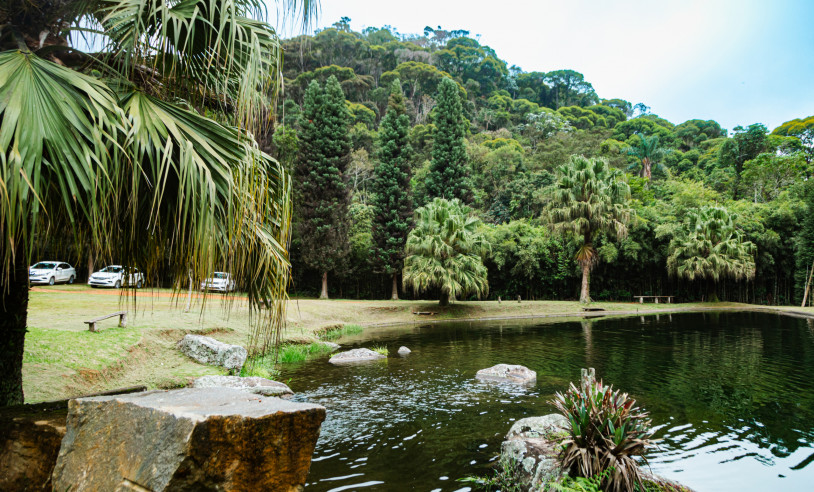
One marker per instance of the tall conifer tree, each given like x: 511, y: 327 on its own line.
x: 448, y: 170
x: 321, y: 195
x: 392, y: 202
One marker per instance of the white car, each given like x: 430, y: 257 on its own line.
x: 117, y: 276
x: 219, y: 281
x: 51, y: 272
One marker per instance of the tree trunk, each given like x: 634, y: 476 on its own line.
x: 712, y: 294
x: 444, y: 301
x: 808, y: 286
x: 647, y: 170
x: 189, y: 294
x: 324, y: 293
x: 395, y: 296
x: 585, y: 294
x: 13, y: 320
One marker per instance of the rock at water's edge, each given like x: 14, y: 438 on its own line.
x: 257, y: 385
x: 532, y: 444
x: 508, y: 373
x: 404, y: 350
x: 188, y: 439
x: 356, y: 355
x: 333, y: 346
x: 207, y: 350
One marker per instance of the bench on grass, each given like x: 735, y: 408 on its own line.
x: 642, y: 298
x: 122, y: 320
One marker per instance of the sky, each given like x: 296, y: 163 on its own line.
x: 737, y: 62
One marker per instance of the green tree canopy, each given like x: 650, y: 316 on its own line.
x: 448, y: 173
x: 709, y: 247
x: 445, y: 251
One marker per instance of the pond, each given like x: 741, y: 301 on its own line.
x: 732, y: 396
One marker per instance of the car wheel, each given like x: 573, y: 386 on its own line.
x: 51, y: 281
x: 70, y: 280
x: 118, y: 284
x: 138, y: 284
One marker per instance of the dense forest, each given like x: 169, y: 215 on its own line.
x: 372, y: 127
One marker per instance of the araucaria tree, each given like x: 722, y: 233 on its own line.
x: 142, y: 153
x: 590, y: 200
x: 321, y: 214
x: 709, y: 247
x: 392, y: 202
x: 446, y: 251
x: 448, y: 177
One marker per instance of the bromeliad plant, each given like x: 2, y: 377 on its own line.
x: 607, y: 432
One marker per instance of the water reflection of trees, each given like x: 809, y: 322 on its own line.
x: 732, y: 370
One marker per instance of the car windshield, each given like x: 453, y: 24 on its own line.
x: 220, y: 275
x: 44, y: 266
x: 111, y: 269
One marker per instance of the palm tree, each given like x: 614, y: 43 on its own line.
x: 709, y: 247
x: 647, y: 152
x: 445, y: 251
x: 590, y: 200
x: 142, y: 153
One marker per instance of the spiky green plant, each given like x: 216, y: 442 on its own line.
x: 607, y: 432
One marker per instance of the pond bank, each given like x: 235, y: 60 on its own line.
x: 62, y: 359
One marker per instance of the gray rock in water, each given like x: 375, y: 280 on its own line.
x: 507, y: 373
x: 188, y: 439
x: 404, y: 350
x: 356, y: 355
x: 532, y: 446
x: 210, y: 351
x: 260, y: 386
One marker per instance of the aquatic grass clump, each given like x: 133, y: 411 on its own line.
x: 262, y: 367
x: 607, y: 432
x: 300, y: 352
x: 380, y: 349
x: 342, y: 331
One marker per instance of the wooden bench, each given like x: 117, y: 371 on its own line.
x: 122, y: 320
x: 656, y: 298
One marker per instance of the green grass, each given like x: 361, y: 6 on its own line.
x: 79, y: 349
x: 381, y: 349
x: 350, y: 329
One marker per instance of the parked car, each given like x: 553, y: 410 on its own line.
x: 117, y: 276
x: 219, y: 281
x: 51, y: 272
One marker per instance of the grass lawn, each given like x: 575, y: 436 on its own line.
x: 63, y: 359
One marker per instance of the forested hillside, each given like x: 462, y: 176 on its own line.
x: 696, y: 189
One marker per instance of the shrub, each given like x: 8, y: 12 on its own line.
x: 607, y: 432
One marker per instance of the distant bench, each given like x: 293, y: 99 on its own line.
x: 122, y: 320
x: 642, y: 298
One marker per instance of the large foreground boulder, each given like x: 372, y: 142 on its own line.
x: 256, y: 385
x: 30, y: 436
x: 189, y: 439
x: 207, y: 350
x: 532, y: 446
x: 356, y: 355
x: 507, y: 373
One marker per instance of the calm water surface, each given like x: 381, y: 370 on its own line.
x: 732, y: 396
